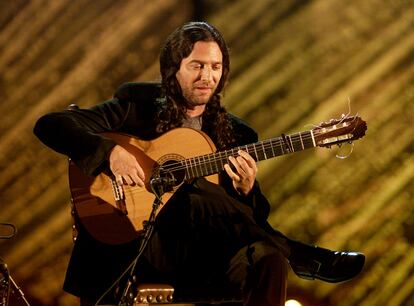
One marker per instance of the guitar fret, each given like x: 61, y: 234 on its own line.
x: 193, y: 170
x: 264, y: 150
x: 268, y: 149
x: 281, y: 145
x: 227, y: 154
x: 210, y: 163
x: 295, y: 143
x: 225, y: 159
x: 301, y: 141
x: 309, y: 141
x: 255, y: 152
x: 217, y: 161
x: 200, y: 165
x: 184, y: 165
x: 313, y: 138
x: 203, y: 165
x: 187, y: 170
x: 291, y: 144
x: 246, y: 148
x: 190, y: 170
x: 273, y: 149
x: 197, y: 166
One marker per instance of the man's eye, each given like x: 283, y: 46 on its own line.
x: 216, y: 67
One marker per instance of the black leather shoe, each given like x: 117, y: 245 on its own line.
x: 329, y: 266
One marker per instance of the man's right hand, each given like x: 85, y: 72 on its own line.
x: 125, y: 167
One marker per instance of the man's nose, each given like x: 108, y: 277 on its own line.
x: 206, y: 73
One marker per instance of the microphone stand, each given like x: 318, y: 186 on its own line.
x: 14, y: 288
x: 17, y: 289
x: 8, y: 279
x: 158, y: 187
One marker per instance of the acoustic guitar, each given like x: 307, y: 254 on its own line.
x: 115, y: 214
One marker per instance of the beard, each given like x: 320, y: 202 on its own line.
x: 197, y: 94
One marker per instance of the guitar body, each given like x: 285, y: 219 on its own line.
x: 94, y: 198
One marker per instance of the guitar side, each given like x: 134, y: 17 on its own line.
x: 94, y: 199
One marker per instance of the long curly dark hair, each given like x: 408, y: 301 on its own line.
x: 178, y: 46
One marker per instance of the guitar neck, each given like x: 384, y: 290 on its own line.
x: 205, y: 165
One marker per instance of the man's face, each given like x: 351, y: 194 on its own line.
x: 200, y: 73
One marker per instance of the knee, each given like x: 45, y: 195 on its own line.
x: 273, y: 263
x: 268, y: 260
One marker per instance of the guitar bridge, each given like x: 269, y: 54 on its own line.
x: 119, y: 197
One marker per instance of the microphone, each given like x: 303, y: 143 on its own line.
x: 161, y: 184
x: 166, y: 181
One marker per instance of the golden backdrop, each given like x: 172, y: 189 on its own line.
x: 294, y: 64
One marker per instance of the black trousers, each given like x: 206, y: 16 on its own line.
x: 203, y: 238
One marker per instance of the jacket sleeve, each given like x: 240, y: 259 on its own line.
x: 255, y: 199
x: 76, y: 133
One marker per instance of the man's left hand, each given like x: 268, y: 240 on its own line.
x: 244, y: 175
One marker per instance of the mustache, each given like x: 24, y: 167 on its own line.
x: 203, y: 84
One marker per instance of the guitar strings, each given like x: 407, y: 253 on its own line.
x: 295, y: 139
x: 204, y: 162
x: 213, y: 158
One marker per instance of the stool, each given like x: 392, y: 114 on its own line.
x: 154, y: 294
x: 164, y: 294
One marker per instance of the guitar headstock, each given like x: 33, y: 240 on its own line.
x: 337, y: 131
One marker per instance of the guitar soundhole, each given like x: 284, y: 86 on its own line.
x: 170, y: 171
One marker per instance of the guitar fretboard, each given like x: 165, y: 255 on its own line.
x: 205, y: 165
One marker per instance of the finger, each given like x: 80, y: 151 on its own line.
x: 136, y: 173
x: 231, y: 173
x: 249, y: 171
x: 235, y: 168
x: 119, y: 179
x: 235, y: 163
x: 137, y: 179
x: 128, y: 180
x: 141, y: 173
x: 248, y: 158
x: 244, y: 168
